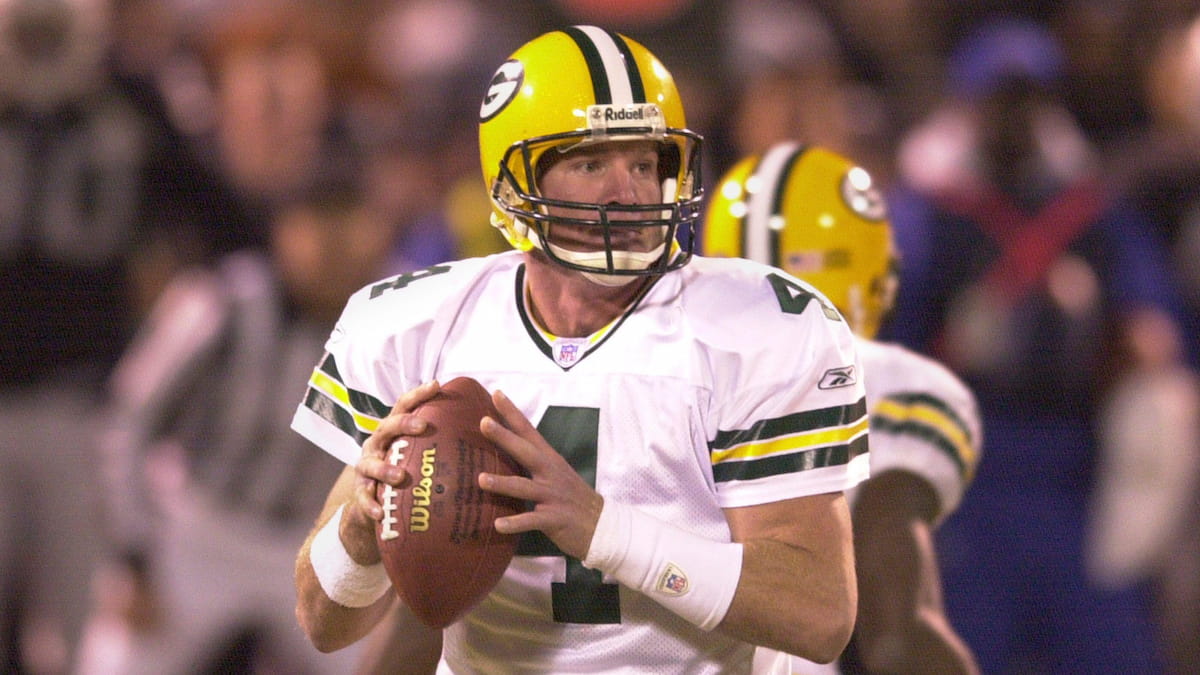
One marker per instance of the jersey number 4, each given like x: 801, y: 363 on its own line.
x: 794, y: 298
x: 583, y: 597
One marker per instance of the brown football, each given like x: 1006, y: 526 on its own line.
x: 437, y: 540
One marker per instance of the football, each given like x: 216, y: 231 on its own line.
x: 436, y: 538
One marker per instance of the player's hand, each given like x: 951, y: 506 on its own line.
x: 364, y: 511
x: 565, y: 508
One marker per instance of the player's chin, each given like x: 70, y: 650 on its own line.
x: 633, y: 240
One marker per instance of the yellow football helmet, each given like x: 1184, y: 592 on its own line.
x: 816, y: 215
x: 570, y: 88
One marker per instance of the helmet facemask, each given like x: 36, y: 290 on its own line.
x: 534, y: 217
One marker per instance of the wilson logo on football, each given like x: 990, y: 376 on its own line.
x: 418, y: 519
x: 838, y: 377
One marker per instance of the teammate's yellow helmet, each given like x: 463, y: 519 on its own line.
x: 816, y: 215
x: 578, y: 86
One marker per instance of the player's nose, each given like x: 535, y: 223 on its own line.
x: 622, y: 184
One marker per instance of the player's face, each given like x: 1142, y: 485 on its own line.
x: 619, y: 173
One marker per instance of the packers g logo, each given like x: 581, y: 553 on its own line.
x: 503, y: 88
x: 862, y: 196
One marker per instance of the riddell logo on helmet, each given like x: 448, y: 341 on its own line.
x: 624, y: 114
x: 603, y: 118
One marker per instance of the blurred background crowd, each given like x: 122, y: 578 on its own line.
x: 189, y: 190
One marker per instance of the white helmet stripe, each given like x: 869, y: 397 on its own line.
x: 760, y: 224
x: 614, y: 65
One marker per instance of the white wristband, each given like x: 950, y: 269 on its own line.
x: 690, y: 575
x: 345, y: 582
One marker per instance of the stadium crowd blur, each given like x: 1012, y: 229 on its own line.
x: 142, y: 139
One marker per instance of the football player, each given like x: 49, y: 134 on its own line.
x: 688, y: 425
x: 818, y: 216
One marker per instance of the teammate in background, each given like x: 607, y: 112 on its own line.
x: 815, y: 214
x: 656, y: 429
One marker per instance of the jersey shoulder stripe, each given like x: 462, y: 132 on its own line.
x: 355, y: 413
x: 798, y: 442
x: 377, y: 349
x: 932, y: 420
x: 924, y: 419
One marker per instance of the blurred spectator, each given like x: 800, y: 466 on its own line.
x: 432, y: 58
x: 272, y: 96
x: 1032, y: 280
x: 1159, y: 169
x: 196, y: 212
x: 210, y: 490
x: 898, y: 46
x: 84, y: 242
x: 787, y: 65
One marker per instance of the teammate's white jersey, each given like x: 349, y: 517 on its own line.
x: 727, y: 384
x: 924, y: 420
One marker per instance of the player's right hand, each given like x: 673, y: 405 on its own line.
x: 364, y: 511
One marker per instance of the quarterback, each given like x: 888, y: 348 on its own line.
x: 688, y: 425
x: 816, y: 215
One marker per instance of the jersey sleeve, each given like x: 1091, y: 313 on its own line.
x: 924, y: 420
x: 790, y: 407
x: 378, y: 350
x: 346, y: 396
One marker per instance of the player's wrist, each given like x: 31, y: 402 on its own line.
x: 345, y: 581
x: 692, y: 576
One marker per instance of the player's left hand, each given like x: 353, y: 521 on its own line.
x: 565, y: 508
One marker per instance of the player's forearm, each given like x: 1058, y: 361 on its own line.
x: 339, y: 598
x: 811, y: 615
x: 331, y: 626
x: 902, y: 627
x: 401, y: 645
x: 926, y: 645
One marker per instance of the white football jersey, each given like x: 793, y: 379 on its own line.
x: 727, y: 384
x: 924, y: 420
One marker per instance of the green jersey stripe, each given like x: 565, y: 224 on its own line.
x: 798, y: 423
x: 329, y: 410
x: 360, y: 401
x: 921, y: 398
x: 776, y: 465
x: 930, y: 419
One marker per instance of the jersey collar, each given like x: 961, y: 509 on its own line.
x: 567, y: 352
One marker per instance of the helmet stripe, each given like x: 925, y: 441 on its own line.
x: 614, y: 73
x: 636, y: 89
x: 760, y: 231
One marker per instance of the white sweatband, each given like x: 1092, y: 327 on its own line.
x: 690, y: 575
x: 345, y: 582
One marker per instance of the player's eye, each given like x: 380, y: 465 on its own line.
x: 648, y: 167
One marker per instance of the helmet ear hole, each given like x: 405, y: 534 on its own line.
x: 506, y: 194
x: 547, y: 159
x: 669, y: 162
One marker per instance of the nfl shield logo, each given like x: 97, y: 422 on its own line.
x: 676, y: 583
x: 673, y: 581
x: 567, y: 352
